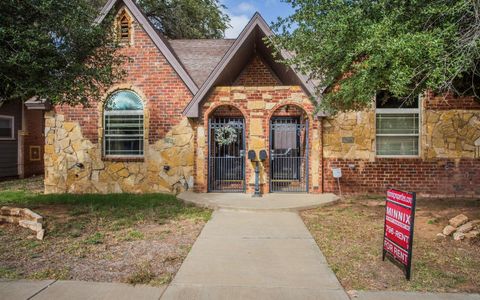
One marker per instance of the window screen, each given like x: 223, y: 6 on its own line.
x: 397, y: 126
x: 123, y: 125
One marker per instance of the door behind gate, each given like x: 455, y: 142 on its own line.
x: 288, y: 155
x: 226, y: 154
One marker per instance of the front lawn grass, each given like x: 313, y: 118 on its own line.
x: 350, y: 235
x: 114, y: 237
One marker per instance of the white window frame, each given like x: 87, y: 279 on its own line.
x: 398, y: 111
x: 12, y: 134
x: 140, y: 137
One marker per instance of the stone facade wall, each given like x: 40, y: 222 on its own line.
x: 448, y: 163
x: 257, y: 105
x: 74, y: 134
x: 74, y: 164
x: 350, y: 135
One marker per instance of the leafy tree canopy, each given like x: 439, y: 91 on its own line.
x: 53, y: 49
x: 187, y: 19
x: 354, y: 48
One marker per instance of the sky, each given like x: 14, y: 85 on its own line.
x: 240, y: 13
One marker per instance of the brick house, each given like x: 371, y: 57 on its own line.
x: 188, y: 112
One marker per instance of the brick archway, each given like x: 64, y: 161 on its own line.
x: 226, y: 150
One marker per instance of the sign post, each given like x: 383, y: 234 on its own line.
x: 398, y: 228
x: 337, y: 173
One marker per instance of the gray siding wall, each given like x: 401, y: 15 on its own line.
x: 9, y: 148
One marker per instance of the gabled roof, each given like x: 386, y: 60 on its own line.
x: 200, y: 56
x: 248, y: 42
x: 157, y: 38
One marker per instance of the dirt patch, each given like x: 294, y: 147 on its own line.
x: 112, y: 238
x: 350, y: 236
x: 86, y: 251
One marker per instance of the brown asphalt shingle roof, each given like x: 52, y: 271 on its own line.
x: 199, y: 57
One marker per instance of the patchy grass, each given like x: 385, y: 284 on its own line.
x: 350, y: 235
x: 115, y: 237
x: 142, y: 275
x: 7, y: 273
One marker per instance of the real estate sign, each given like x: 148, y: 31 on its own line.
x: 398, y: 230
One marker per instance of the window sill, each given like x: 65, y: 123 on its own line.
x: 123, y: 159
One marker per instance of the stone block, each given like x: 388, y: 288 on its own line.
x: 69, y: 126
x: 458, y: 220
x: 256, y: 105
x: 239, y: 96
x: 115, y: 167
x: 458, y: 236
x: 448, y: 230
x: 30, y: 225
x: 40, y: 234
x: 123, y: 173
x: 256, y: 127
x: 472, y: 234
x: 465, y: 227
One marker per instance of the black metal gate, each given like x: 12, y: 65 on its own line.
x: 226, y: 161
x: 288, y: 155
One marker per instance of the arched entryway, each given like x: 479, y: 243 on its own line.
x: 289, y: 150
x: 226, y: 150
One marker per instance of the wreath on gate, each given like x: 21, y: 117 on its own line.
x: 226, y: 135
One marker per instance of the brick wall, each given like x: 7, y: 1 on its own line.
x: 257, y: 73
x: 148, y: 72
x: 257, y: 105
x: 429, y: 178
x: 449, y: 101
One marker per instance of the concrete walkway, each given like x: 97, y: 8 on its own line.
x: 255, y: 255
x: 384, y: 295
x: 268, y: 202
x: 76, y: 290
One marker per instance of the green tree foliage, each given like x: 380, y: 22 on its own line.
x: 53, y: 49
x: 187, y: 19
x: 353, y: 48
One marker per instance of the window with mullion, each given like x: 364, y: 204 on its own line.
x: 397, y: 127
x: 124, y: 125
x: 6, y: 128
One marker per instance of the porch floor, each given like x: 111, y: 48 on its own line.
x: 268, y: 202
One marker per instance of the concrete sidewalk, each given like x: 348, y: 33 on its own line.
x: 388, y: 295
x: 76, y: 290
x: 255, y: 255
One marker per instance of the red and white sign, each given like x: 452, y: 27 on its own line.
x: 397, y: 252
x: 399, y: 217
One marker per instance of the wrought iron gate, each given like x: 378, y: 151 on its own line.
x: 288, y: 155
x: 226, y: 162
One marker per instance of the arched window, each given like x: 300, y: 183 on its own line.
x: 123, y: 124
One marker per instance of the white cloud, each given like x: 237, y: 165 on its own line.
x: 237, y: 23
x: 245, y: 7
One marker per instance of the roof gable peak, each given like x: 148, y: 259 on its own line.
x: 235, y: 59
x: 156, y: 37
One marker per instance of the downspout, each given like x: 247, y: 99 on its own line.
x: 321, y: 155
x: 20, y: 141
